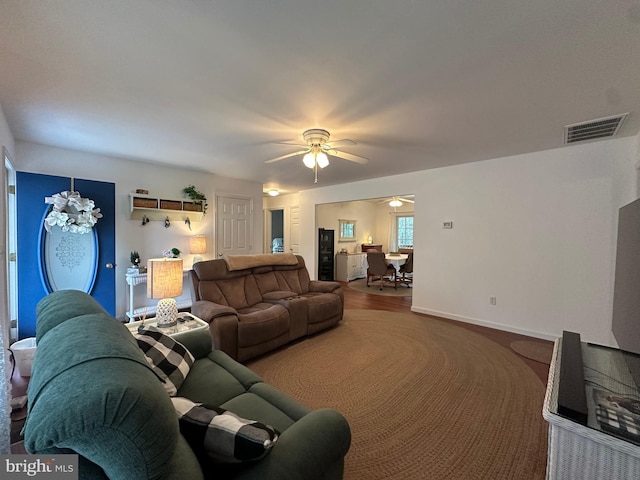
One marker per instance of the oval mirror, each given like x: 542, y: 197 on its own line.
x: 68, y: 261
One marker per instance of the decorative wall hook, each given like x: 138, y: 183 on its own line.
x: 145, y: 220
x: 167, y: 222
x: 187, y: 222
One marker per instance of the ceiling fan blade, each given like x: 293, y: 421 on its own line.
x: 282, y: 157
x: 351, y: 157
x: 408, y: 200
x: 340, y: 143
x: 292, y: 142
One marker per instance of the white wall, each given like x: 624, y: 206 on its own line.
x: 128, y: 176
x: 537, y: 231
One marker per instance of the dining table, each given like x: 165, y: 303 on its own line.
x: 396, y: 259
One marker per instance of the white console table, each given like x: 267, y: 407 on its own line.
x: 586, y: 452
x: 184, y: 301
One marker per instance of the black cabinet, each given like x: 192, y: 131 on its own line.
x: 325, y: 254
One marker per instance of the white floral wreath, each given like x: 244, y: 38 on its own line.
x: 71, y: 212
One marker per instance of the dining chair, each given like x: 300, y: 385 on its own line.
x: 379, y: 268
x: 405, y: 272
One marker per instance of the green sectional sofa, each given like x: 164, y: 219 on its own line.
x: 92, y: 393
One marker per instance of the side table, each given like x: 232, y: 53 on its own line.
x: 186, y: 321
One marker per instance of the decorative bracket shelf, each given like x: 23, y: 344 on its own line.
x: 161, y: 208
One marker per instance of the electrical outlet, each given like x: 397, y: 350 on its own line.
x: 492, y: 300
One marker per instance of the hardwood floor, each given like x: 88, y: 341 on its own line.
x: 355, y: 299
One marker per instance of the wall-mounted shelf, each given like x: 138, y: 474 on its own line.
x: 156, y: 208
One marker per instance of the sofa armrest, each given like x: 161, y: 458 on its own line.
x: 307, y: 449
x: 207, y: 310
x: 323, y: 286
x: 223, y: 325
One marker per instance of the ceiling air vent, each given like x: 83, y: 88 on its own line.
x: 592, y: 129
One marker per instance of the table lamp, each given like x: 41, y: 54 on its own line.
x: 164, y: 281
x: 197, y: 246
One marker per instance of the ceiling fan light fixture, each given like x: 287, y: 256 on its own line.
x: 395, y: 202
x: 322, y: 160
x: 309, y: 160
x: 273, y: 192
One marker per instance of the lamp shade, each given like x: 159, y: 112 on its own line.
x: 164, y: 277
x: 309, y: 160
x: 322, y: 160
x: 395, y: 203
x: 198, y: 244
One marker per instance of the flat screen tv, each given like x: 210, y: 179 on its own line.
x: 626, y: 294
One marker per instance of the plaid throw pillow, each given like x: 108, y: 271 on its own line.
x: 170, y: 360
x: 222, y: 435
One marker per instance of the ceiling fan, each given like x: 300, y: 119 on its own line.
x: 317, y: 148
x: 397, y: 201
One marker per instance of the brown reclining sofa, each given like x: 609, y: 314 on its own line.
x: 256, y: 303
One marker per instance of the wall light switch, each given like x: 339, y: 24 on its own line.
x: 447, y: 225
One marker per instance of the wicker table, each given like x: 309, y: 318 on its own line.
x: 587, y: 452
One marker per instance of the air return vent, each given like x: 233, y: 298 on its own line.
x: 592, y: 129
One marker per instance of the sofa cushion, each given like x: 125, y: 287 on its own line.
x: 323, y: 306
x: 261, y: 323
x: 221, y: 435
x: 170, y: 360
x: 230, y: 378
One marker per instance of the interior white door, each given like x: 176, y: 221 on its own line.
x: 294, y: 229
x: 234, y: 217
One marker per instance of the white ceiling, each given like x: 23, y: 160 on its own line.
x: 211, y: 85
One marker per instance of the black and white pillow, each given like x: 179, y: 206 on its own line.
x: 222, y: 435
x: 170, y: 360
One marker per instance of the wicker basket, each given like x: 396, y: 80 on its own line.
x: 192, y: 207
x: 170, y: 205
x: 145, y: 202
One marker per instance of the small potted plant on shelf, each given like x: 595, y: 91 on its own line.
x: 134, y: 269
x: 171, y: 253
x: 198, y: 198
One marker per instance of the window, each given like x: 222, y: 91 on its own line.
x: 404, y: 229
x: 347, y: 230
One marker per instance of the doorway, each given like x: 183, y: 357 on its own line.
x: 275, y: 237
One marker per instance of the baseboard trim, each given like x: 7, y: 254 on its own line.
x: 484, y: 323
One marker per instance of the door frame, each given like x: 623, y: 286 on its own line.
x: 11, y: 245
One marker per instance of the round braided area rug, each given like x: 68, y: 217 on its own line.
x: 425, y: 399
x: 538, y: 351
x: 360, y: 285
